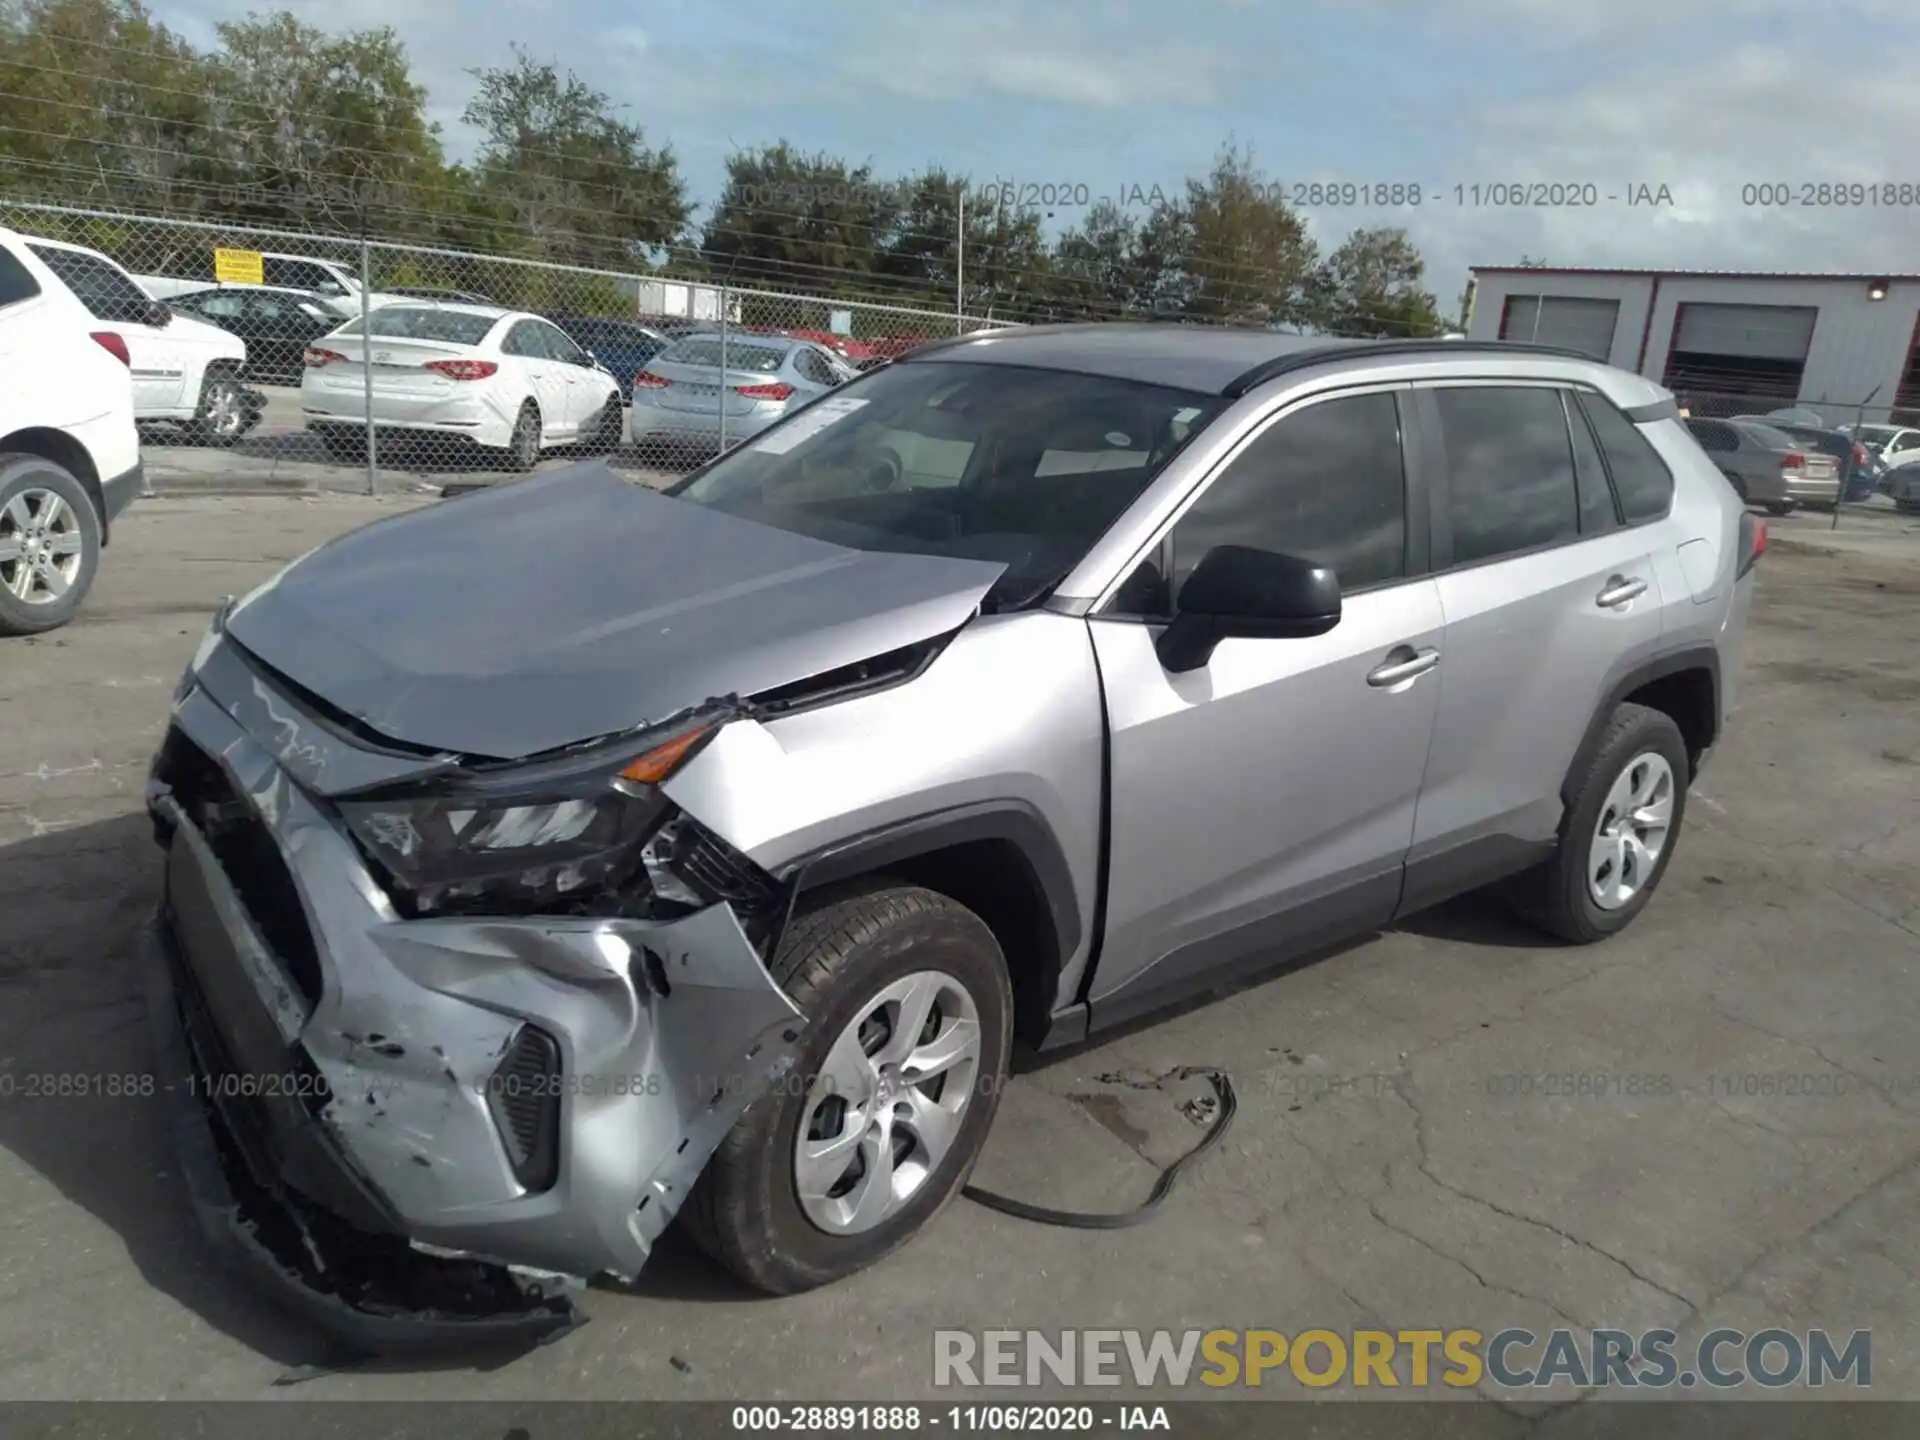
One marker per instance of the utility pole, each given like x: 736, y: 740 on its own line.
x: 960, y: 260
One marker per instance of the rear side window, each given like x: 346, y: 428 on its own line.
x: 1597, y: 515
x: 1716, y: 437
x: 16, y: 281
x: 1640, y: 476
x: 295, y: 274
x: 1510, y: 479
x: 100, y: 285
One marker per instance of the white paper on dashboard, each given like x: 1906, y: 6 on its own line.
x: 809, y: 423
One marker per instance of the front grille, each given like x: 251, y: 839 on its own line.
x: 524, y: 1100
x: 247, y: 853
x: 723, y: 872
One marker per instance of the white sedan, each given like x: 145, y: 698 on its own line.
x: 467, y: 375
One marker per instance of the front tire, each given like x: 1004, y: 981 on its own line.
x: 909, y: 1015
x: 49, y: 545
x: 221, y: 418
x: 609, y: 429
x: 1618, y: 834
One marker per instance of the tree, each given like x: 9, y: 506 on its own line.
x: 1229, y: 250
x: 791, y: 221
x: 559, y: 169
x: 1098, y: 269
x: 319, y: 130
x: 1370, y: 287
x: 1000, y: 269
x: 100, y: 101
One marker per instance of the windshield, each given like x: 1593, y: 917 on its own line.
x: 1767, y: 435
x: 1875, y: 436
x: 987, y: 462
x: 760, y: 359
x: 408, y: 322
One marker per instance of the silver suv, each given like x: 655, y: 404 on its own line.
x: 545, y: 862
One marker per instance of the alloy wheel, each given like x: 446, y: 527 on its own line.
x: 41, y: 547
x: 888, y: 1102
x: 1632, y: 832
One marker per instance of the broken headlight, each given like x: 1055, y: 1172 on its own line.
x: 531, y: 837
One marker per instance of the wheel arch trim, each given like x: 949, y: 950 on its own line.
x: 1674, y: 662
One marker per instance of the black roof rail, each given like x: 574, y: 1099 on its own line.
x: 1367, y: 349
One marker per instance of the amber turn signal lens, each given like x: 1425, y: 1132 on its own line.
x: 658, y: 763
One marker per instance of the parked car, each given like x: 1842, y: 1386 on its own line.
x: 609, y: 856
x: 185, y: 372
x: 277, y: 325
x: 1766, y: 466
x: 1850, y: 457
x: 678, y: 395
x: 337, y: 285
x: 468, y: 375
x: 623, y: 346
x: 429, y: 292
x: 69, y: 450
x: 1895, y: 449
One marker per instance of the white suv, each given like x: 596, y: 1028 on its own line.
x: 69, y: 452
x: 185, y: 371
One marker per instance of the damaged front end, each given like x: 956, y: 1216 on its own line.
x: 444, y: 1038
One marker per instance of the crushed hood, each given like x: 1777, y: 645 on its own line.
x: 548, y: 611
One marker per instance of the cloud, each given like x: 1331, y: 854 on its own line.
x: 1121, y: 55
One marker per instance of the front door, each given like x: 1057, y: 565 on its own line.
x: 1264, y: 803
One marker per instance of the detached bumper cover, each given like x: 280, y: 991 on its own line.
x: 344, y: 1066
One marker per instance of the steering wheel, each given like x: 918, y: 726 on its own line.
x: 883, y: 475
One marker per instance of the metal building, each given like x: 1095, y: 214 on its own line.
x: 1845, y: 341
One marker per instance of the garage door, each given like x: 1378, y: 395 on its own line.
x: 1573, y: 324
x: 1760, y: 332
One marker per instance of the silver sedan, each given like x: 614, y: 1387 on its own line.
x: 683, y: 399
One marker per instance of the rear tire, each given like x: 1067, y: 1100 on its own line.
x: 837, y: 962
x: 1780, y: 509
x: 345, y: 446
x: 1560, y: 896
x: 49, y: 545
x: 523, y: 446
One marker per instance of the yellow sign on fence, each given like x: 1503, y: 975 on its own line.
x: 238, y: 267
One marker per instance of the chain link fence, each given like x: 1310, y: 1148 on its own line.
x: 366, y: 364
x: 1871, y: 451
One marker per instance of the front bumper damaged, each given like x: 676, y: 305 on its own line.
x: 428, y: 1133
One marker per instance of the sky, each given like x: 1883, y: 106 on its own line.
x: 1110, y: 98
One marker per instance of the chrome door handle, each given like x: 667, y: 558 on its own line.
x: 1619, y: 590
x: 1402, y: 663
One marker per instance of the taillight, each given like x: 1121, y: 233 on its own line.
x: 316, y: 357
x: 1793, y: 460
x: 1753, y: 542
x: 1860, y: 458
x: 764, y: 392
x: 463, y: 369
x: 647, y: 381
x: 114, y: 346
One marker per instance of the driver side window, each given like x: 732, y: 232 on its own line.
x: 1325, y: 483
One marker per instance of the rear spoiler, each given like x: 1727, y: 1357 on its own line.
x: 1667, y: 409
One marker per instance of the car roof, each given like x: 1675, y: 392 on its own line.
x: 450, y: 307
x: 1209, y: 359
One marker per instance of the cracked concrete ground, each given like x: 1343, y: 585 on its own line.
x: 1396, y: 1161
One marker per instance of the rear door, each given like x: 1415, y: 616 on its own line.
x: 585, y: 387
x: 527, y: 344
x: 1549, y: 595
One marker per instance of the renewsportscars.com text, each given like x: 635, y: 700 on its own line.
x: 1515, y: 1358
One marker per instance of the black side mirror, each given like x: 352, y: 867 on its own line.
x: 158, y: 315
x: 1236, y: 591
